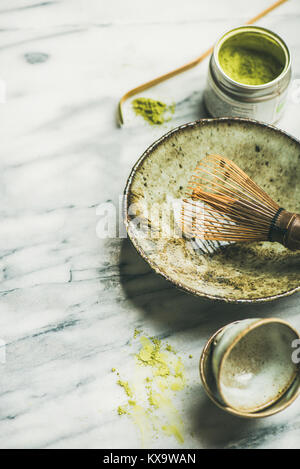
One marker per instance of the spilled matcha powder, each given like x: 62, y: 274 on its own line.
x: 154, y: 112
x: 136, y: 333
x: 158, y: 377
x: 125, y: 386
x: 121, y: 410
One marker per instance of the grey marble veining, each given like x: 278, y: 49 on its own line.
x: 70, y: 300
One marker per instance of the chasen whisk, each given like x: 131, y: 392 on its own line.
x: 224, y: 204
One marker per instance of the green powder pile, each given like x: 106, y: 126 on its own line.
x: 158, y: 377
x: 154, y: 112
x: 249, y: 66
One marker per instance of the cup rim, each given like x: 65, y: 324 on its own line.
x: 266, y: 411
x: 236, y: 340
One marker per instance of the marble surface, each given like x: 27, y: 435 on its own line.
x: 70, y: 300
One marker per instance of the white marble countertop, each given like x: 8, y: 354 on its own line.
x: 69, y: 300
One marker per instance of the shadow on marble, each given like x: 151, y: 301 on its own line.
x: 213, y: 427
x: 168, y: 307
x: 191, y: 108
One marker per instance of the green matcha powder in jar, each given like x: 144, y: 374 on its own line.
x: 249, y: 74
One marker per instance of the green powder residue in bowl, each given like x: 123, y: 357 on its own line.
x: 248, y: 66
x: 154, y: 112
x: 158, y: 377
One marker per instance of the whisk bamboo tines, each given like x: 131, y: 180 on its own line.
x: 224, y: 204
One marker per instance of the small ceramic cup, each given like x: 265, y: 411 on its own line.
x: 247, y: 367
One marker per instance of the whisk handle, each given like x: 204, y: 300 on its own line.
x: 286, y: 230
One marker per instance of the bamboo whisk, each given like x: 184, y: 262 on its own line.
x: 224, y: 204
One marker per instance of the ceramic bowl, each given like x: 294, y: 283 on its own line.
x: 252, y: 272
x: 247, y: 370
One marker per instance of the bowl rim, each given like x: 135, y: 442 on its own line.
x: 190, y: 125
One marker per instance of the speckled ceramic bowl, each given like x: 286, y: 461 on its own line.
x: 253, y: 272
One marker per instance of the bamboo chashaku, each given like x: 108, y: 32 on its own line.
x: 224, y: 204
